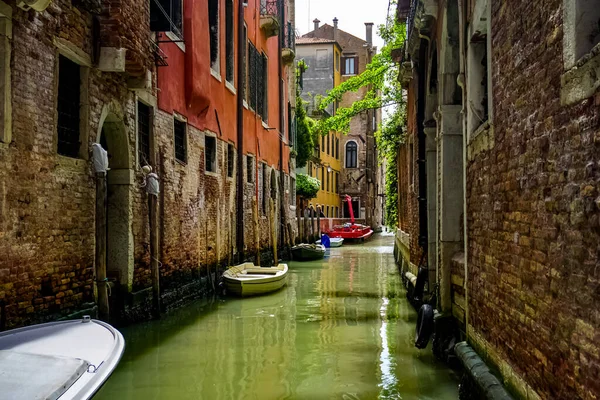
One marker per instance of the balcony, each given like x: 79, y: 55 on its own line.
x: 269, y: 17
x: 288, y: 49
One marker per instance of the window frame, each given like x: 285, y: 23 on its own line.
x: 230, y: 43
x: 177, y: 33
x: 215, y: 65
x: 139, y: 136
x: 214, y: 163
x: 354, y: 59
x: 346, y: 165
x: 5, y: 79
x: 230, y: 160
x: 179, y: 120
x: 250, y: 173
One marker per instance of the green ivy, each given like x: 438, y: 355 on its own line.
x: 383, y: 90
x: 305, y: 126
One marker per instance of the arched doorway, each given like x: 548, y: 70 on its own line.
x: 113, y: 137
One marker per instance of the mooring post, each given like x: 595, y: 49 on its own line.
x: 101, y: 281
x: 318, y: 224
x: 312, y: 223
x: 274, y: 231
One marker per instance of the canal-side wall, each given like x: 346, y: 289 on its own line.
x: 47, y: 200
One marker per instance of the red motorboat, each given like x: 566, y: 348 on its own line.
x: 351, y: 230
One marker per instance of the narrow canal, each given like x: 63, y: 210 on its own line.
x: 341, y: 329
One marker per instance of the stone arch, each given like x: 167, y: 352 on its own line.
x: 114, y: 138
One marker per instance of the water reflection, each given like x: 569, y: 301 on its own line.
x: 342, y: 329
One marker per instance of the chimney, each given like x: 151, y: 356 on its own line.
x: 335, y: 29
x: 369, y: 26
x: 316, y: 22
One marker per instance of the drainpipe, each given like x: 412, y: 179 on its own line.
x: 461, y: 80
x: 240, y: 137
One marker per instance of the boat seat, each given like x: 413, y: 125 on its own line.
x: 34, y: 376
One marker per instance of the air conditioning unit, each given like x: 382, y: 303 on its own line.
x: 37, y: 5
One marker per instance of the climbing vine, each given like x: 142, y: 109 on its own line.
x: 383, y: 91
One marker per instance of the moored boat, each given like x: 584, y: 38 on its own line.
x: 62, y: 360
x: 308, y: 252
x: 351, y: 230
x: 333, y: 242
x: 249, y: 280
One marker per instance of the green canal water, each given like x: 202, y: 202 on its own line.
x: 341, y: 329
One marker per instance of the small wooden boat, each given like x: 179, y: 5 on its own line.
x: 350, y: 230
x: 249, y: 280
x: 307, y: 252
x: 333, y: 242
x: 59, y: 360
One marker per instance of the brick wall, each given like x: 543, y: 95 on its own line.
x: 47, y: 201
x: 533, y: 212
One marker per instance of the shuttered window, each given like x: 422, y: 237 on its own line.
x: 350, y: 65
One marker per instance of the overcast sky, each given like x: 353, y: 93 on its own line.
x: 352, y: 15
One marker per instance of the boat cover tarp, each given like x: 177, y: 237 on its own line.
x: 33, y: 376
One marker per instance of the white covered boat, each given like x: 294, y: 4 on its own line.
x: 333, y: 242
x: 249, y: 280
x: 59, y: 360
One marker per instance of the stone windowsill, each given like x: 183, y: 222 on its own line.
x: 482, y: 128
x: 583, y: 80
x: 177, y: 40
x: 216, y: 75
x: 211, y: 173
x: 245, y: 104
x: 230, y: 87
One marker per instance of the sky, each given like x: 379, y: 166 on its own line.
x: 352, y: 15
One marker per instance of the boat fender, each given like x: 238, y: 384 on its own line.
x: 424, y: 326
x: 420, y: 285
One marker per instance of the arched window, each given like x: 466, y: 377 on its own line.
x: 351, y: 154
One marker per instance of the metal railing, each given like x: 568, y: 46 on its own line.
x: 289, y: 39
x: 269, y: 7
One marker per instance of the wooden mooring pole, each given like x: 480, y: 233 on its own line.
x: 101, y: 281
x: 155, y: 273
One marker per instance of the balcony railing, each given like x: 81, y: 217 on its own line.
x: 269, y: 7
x: 288, y: 47
x: 289, y: 39
x: 410, y: 21
x: 269, y: 17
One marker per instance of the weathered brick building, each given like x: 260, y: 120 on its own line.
x: 137, y: 79
x: 499, y: 180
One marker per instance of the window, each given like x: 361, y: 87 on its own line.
x: 351, y: 154
x: 262, y: 85
x: 337, y: 61
x: 69, y: 80
x: 213, y: 26
x: 292, y: 191
x: 230, y: 159
x: 581, y: 34
x: 309, y: 169
x: 5, y: 80
x: 322, y: 178
x: 337, y: 148
x: 166, y: 16
x: 210, y: 153
x: 337, y: 212
x: 244, y: 85
x: 328, y: 173
x: 322, y: 143
x: 179, y: 128
x: 249, y: 168
x: 327, y: 211
x: 328, y: 141
x: 229, y: 32
x: 337, y: 177
x: 349, y: 65
x: 252, y: 83
x: 143, y: 134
